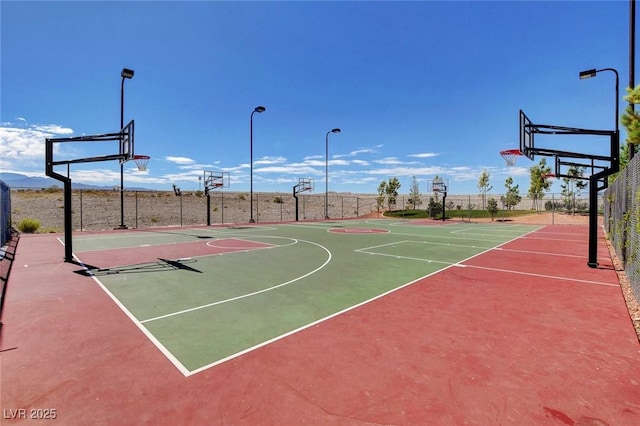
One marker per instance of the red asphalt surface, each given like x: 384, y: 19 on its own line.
x: 474, y: 344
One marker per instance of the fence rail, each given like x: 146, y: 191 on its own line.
x: 622, y: 207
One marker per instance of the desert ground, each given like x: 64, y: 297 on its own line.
x: 100, y: 210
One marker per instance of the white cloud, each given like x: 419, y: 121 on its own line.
x: 359, y: 151
x: 388, y: 160
x: 424, y: 155
x: 270, y: 160
x: 24, y: 147
x: 179, y: 160
x: 53, y: 128
x: 407, y: 171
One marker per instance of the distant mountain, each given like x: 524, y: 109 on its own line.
x: 16, y: 180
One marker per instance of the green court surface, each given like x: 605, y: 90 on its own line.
x: 204, y: 295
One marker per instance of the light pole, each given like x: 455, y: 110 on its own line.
x: 593, y: 180
x: 326, y: 172
x: 126, y: 73
x: 257, y: 109
x: 592, y: 73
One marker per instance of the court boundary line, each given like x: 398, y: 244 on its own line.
x: 364, y: 302
x: 364, y: 249
x: 187, y: 373
x: 243, y: 296
x: 153, y: 339
x: 532, y: 274
x: 197, y: 256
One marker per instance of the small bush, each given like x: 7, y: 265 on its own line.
x: 242, y: 197
x: 29, y: 225
x: 53, y: 189
x: 278, y: 200
x: 153, y: 219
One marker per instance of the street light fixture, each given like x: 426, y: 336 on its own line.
x: 126, y: 73
x: 258, y: 109
x: 326, y: 171
x: 592, y: 73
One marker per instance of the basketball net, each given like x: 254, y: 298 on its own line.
x: 510, y: 156
x: 141, y: 162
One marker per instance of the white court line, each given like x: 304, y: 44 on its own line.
x: 531, y: 274
x: 407, y: 257
x: 321, y: 320
x: 184, y: 370
x: 364, y: 250
x: 556, y: 239
x: 460, y: 230
x: 219, y: 302
x: 140, y: 245
x: 539, y: 252
x: 449, y: 237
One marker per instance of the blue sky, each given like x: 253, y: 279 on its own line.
x: 418, y: 88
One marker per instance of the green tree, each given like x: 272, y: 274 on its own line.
x: 382, y: 191
x: 572, y: 185
x: 414, y: 194
x: 392, y: 187
x: 539, y: 183
x: 492, y: 207
x: 434, y: 207
x: 631, y: 121
x: 512, y: 197
x: 484, y: 186
x: 631, y: 118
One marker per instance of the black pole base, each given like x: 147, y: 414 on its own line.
x: 121, y: 227
x: 592, y: 265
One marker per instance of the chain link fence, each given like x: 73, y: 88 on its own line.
x: 621, y: 210
x: 5, y: 213
x: 94, y: 210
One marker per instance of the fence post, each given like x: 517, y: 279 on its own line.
x: 136, y: 193
x: 80, y: 209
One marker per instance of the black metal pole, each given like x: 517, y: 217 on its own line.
x: 593, y: 222
x: 208, y: 206
x: 444, y: 199
x: 122, y: 225
x: 296, y: 197
x: 326, y: 176
x: 632, y: 60
x: 259, y: 109
x: 251, y: 167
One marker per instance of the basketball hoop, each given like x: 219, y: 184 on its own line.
x: 548, y: 176
x: 510, y: 156
x: 141, y: 162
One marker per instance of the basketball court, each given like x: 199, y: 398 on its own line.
x: 334, y: 322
